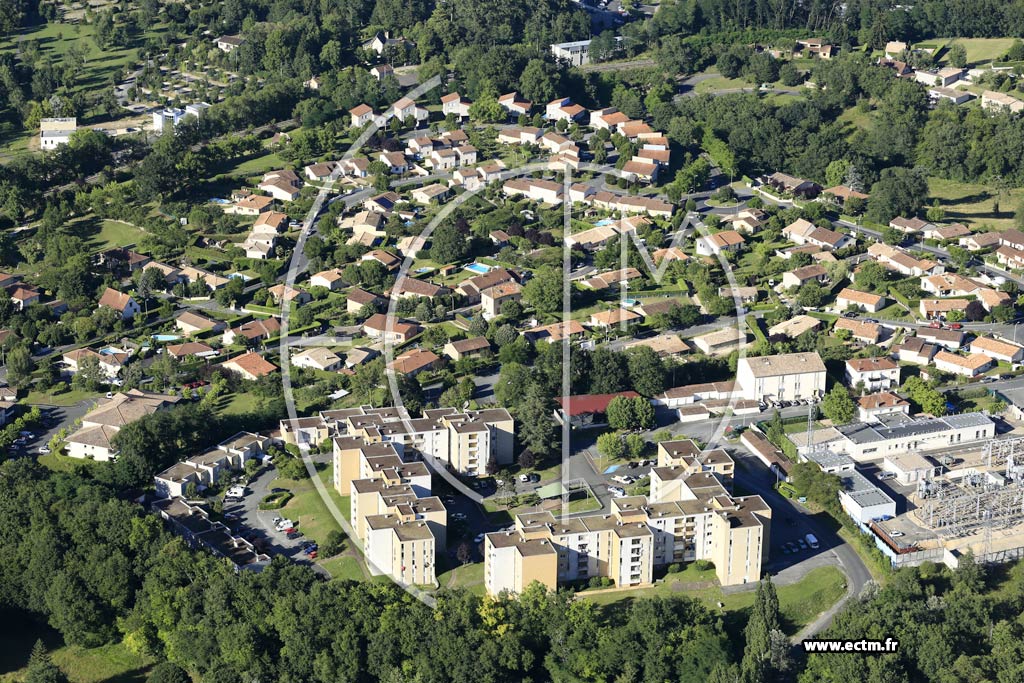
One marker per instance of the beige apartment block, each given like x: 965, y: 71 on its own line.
x: 690, y: 515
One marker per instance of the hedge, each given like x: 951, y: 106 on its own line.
x: 275, y: 501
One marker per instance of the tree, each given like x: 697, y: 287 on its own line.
x: 610, y: 445
x: 448, y: 245
x: 898, y: 192
x: 643, y: 413
x: 19, y: 366
x: 835, y: 172
x: 957, y: 56
x: 635, y: 445
x: 871, y: 276
x: 838, y: 406
x: 620, y: 413
x: 41, y: 668
x: 646, y: 371
x: 544, y: 290
x: 790, y: 75
x: 810, y: 295
x: 527, y: 460
x: 935, y: 213
x: 764, y: 620
x: 168, y: 672
x: 536, y: 427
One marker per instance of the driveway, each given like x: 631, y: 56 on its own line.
x: 261, y: 522
x: 54, y: 419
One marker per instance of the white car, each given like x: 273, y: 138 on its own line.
x: 284, y: 524
x: 616, y: 491
x: 44, y: 449
x: 479, y: 538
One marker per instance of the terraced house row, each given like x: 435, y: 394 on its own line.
x: 689, y: 515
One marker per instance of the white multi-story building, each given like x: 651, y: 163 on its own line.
x: 786, y: 377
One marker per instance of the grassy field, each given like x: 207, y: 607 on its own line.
x: 237, y: 404
x: 110, y: 663
x: 66, y: 398
x: 468, y: 576
x: 344, y: 568
x: 722, y: 83
x: 973, y: 203
x: 256, y: 165
x: 980, y: 50
x: 799, y: 603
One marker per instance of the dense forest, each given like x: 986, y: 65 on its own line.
x: 99, y: 569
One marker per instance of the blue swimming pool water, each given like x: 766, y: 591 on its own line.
x: 478, y: 268
x: 166, y: 337
x: 603, y: 222
x: 629, y: 302
x: 425, y: 269
x: 109, y: 351
x: 218, y: 200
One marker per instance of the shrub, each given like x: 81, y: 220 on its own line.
x: 333, y: 544
x: 674, y: 568
x: 703, y: 565
x: 275, y: 501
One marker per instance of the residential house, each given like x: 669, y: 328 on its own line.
x: 229, y: 43
x: 948, y: 339
x: 22, y: 297
x: 543, y: 191
x: 385, y: 258
x: 415, y: 361
x: 321, y: 172
x: 841, y: 194
x: 946, y: 232
x: 969, y: 366
x: 864, y: 301
x: 1011, y: 258
x: 384, y: 203
x: 190, y: 350
x: 613, y: 318
x: 250, y: 366
x: 515, y: 105
x: 798, y: 187
x: 456, y: 105
x: 910, y: 226
x: 381, y: 326
x: 328, y: 279
x: 872, y: 374
x: 883, y: 404
x: 613, y: 279
x: 395, y: 161
x: 467, y: 348
x: 713, y: 245
x: 357, y: 299
x: 864, y: 332
x: 564, y: 108
x: 721, y: 342
x: 406, y: 107
x: 252, y: 332
x: 191, y: 323
x: 793, y: 327
x: 382, y: 71
x: 902, y: 262
x: 938, y: 309
x: 492, y: 298
x: 555, y: 332
x: 282, y: 292
x: 317, y: 358
x: 411, y: 287
x: 784, y: 377
x: 435, y: 193
x: 939, y: 77
x: 802, y: 276
x: 124, y: 304
x: 94, y: 439
x: 996, y: 349
x: 917, y: 350
x: 804, y: 232
x: 996, y: 101
x: 979, y: 241
x: 894, y: 49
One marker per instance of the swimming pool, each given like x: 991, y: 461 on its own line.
x: 166, y: 337
x: 425, y: 269
x: 603, y: 222
x: 629, y: 302
x: 478, y: 268
x: 110, y: 351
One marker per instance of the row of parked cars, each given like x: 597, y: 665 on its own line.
x: 801, y: 544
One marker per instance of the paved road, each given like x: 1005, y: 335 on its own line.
x: 790, y: 520
x: 261, y: 522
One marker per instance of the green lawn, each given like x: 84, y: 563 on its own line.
x: 237, y: 404
x: 980, y: 50
x: 344, y: 568
x: 467, y: 576
x: 799, y: 603
x: 115, y: 234
x: 62, y: 463
x: 722, y: 83
x: 255, y: 165
x: 306, y: 507
x: 110, y: 663
x: 973, y: 203
x: 66, y: 398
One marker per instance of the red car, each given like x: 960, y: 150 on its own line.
x: 935, y: 324
x: 956, y: 326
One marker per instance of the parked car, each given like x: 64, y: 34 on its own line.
x: 895, y: 534
x: 812, y: 540
x: 935, y: 325
x: 44, y: 449
x: 479, y: 538
x: 791, y: 546
x: 282, y: 524
x: 871, y: 321
x: 617, y: 491
x: 802, y: 543
x: 956, y: 326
